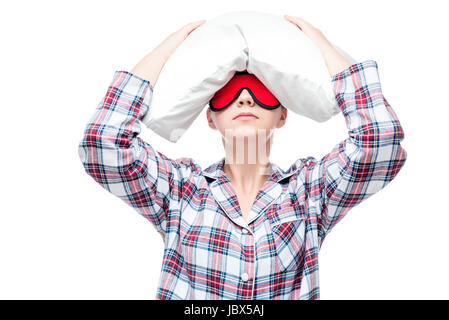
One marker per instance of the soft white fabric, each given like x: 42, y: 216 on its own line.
x: 285, y: 60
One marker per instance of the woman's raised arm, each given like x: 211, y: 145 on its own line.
x: 371, y: 156
x: 365, y: 162
x: 120, y: 161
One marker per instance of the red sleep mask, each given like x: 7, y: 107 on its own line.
x: 224, y: 97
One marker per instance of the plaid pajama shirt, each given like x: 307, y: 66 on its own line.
x: 210, y: 251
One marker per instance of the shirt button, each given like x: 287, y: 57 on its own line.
x: 244, y: 231
x: 245, y: 277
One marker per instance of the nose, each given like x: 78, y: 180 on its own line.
x: 245, y: 98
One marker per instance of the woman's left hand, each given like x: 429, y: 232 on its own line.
x: 335, y: 62
x: 310, y: 31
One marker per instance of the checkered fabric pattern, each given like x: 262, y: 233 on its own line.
x: 210, y: 251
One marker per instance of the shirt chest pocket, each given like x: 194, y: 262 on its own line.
x: 288, y: 229
x: 203, y: 244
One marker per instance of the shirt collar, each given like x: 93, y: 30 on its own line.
x: 227, y: 199
x: 216, y: 170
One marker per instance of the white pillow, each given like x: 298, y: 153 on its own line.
x: 277, y: 52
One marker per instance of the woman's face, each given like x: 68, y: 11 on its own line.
x: 227, y: 122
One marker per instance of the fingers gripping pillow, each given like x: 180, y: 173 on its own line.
x: 285, y: 60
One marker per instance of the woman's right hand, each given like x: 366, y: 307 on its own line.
x: 151, y: 65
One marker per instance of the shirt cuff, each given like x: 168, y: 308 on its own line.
x: 133, y: 88
x: 132, y: 78
x: 355, y: 68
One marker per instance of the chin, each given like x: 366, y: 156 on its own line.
x: 244, y: 130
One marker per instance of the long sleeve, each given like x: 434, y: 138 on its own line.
x: 121, y: 162
x: 368, y: 159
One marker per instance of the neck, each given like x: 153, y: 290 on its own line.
x: 247, y: 165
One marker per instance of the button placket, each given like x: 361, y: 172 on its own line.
x: 247, y: 264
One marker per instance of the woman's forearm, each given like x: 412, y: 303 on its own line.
x: 335, y: 62
x: 150, y: 67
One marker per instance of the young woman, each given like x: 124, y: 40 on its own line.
x: 243, y: 229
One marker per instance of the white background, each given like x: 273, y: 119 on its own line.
x: 62, y: 236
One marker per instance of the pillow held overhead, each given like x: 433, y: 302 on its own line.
x: 285, y: 60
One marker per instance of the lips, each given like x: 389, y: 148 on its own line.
x: 246, y: 116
